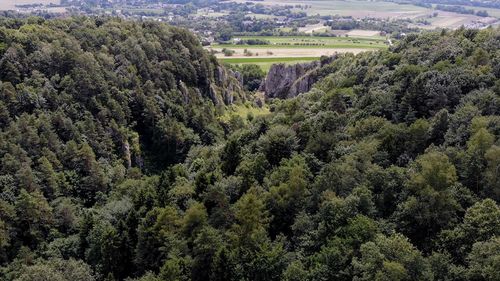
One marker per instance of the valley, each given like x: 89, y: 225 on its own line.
x: 273, y: 140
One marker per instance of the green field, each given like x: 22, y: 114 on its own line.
x: 311, y: 42
x: 10, y: 4
x: 355, y: 8
x: 265, y: 63
x: 296, y: 49
x: 492, y: 12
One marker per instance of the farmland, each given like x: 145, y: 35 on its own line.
x: 381, y: 10
x: 294, y: 48
x: 265, y: 63
x: 277, y: 44
x: 310, y: 41
x: 353, y: 8
x: 11, y: 4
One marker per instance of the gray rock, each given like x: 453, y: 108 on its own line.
x: 287, y: 81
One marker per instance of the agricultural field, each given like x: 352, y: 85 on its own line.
x: 11, y: 4
x: 454, y: 20
x: 301, y: 42
x: 491, y: 11
x: 314, y: 28
x: 295, y: 49
x: 300, y: 46
x: 383, y: 10
x: 358, y: 9
x: 266, y: 63
x: 210, y: 14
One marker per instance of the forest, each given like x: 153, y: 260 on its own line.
x: 115, y: 163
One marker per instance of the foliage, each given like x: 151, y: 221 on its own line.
x: 116, y: 161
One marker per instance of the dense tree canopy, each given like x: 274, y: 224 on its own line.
x: 115, y: 165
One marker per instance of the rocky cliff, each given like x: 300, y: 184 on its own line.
x: 287, y: 81
x: 227, y: 88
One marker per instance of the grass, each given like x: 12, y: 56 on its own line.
x: 290, y: 42
x: 354, y: 8
x: 492, y: 12
x: 330, y: 46
x: 327, y: 7
x: 275, y: 60
x: 315, y: 39
x: 293, y: 49
x: 243, y: 111
x: 10, y: 4
x: 264, y: 16
x: 266, y: 63
x: 210, y: 14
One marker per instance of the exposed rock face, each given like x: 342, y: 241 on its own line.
x: 224, y: 89
x: 184, y: 91
x: 287, y: 81
x: 227, y: 87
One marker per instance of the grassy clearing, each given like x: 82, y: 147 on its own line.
x: 243, y: 111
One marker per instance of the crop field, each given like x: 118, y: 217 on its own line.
x: 300, y: 46
x: 294, y: 49
x: 382, y: 10
x: 265, y: 63
x: 11, y: 4
x: 311, y: 42
x: 314, y: 28
x: 353, y: 8
x: 288, y: 52
x: 205, y: 13
x: 454, y: 20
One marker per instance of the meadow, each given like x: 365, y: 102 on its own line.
x: 244, y: 111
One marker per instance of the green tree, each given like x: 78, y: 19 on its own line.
x: 492, y: 173
x: 430, y: 205
x: 57, y: 270
x: 34, y: 217
x: 391, y: 258
x: 278, y: 143
x: 484, y: 259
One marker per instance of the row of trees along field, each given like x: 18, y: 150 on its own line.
x: 111, y: 169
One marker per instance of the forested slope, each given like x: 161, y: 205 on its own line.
x: 111, y: 168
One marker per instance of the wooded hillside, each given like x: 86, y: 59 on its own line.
x: 114, y: 163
